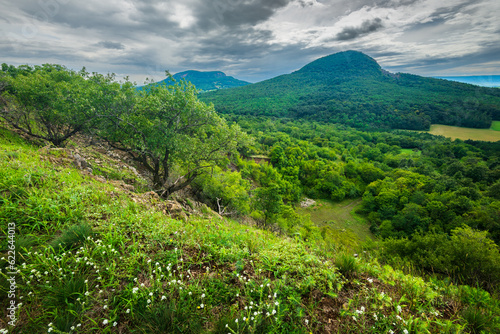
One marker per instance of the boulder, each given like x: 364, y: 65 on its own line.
x: 79, y: 161
x: 176, y: 210
x: 307, y: 202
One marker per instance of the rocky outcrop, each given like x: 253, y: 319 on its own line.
x: 307, y: 202
x: 175, y: 210
x: 79, y: 161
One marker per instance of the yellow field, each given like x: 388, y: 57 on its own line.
x: 455, y: 132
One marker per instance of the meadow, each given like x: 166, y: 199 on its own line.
x: 454, y: 132
x: 349, y: 227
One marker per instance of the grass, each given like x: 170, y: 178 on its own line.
x: 455, y: 132
x: 99, y: 259
x: 341, y: 219
x: 495, y: 125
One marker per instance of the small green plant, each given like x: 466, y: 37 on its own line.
x: 474, y: 296
x: 12, y: 155
x: 66, y: 319
x: 72, y: 236
x: 171, y: 317
x: 478, y: 320
x: 66, y: 293
x: 190, y: 203
x: 24, y: 243
x: 347, y: 265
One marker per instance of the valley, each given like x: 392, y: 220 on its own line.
x: 350, y: 229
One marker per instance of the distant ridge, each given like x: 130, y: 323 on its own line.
x: 480, y: 80
x: 207, y: 81
x: 351, y: 88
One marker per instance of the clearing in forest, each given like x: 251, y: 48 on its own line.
x: 341, y: 218
x: 454, y: 132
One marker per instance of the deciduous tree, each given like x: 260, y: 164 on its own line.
x: 172, y: 134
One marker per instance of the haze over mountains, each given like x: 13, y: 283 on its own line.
x: 480, y: 80
x: 351, y: 88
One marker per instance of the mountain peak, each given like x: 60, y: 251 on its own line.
x: 344, y: 63
x: 192, y: 74
x: 207, y: 80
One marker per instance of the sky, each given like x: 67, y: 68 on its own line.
x: 252, y: 40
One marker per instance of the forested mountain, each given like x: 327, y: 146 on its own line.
x: 207, y: 81
x: 351, y: 88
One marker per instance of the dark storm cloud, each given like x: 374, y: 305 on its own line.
x: 366, y: 27
x: 154, y: 17
x: 462, y: 7
x: 429, y: 65
x: 70, y: 13
x: 393, y: 3
x: 233, y: 13
x: 441, y: 15
x: 110, y: 45
x: 250, y: 39
x: 236, y: 42
x: 304, y: 3
x: 234, y: 49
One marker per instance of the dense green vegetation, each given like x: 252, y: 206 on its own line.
x: 351, y: 88
x: 166, y: 129
x: 93, y: 251
x: 93, y: 258
x: 51, y: 102
x: 434, y: 189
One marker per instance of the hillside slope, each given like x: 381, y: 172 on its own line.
x: 351, y: 88
x: 96, y: 256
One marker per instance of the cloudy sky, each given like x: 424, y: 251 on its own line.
x: 252, y: 40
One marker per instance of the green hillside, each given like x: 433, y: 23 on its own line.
x: 94, y: 257
x: 351, y: 88
x: 144, y: 211
x: 207, y: 81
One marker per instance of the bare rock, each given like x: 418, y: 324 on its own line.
x: 100, y: 179
x: 307, y: 203
x: 176, y: 210
x: 151, y: 195
x: 128, y: 187
x: 133, y: 170
x: 173, y: 206
x: 79, y: 161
